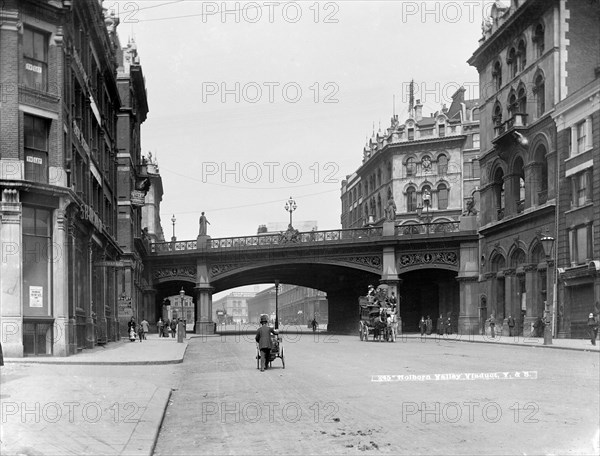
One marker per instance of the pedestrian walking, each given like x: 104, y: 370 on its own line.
x: 428, y: 325
x: 440, y: 325
x: 263, y: 339
x: 511, y: 325
x: 161, y: 326
x: 173, y: 326
x: 593, y: 328
x: 167, y: 328
x: 145, y: 326
x: 131, y: 329
x: 492, y: 323
x: 449, y: 326
x: 422, y: 325
x: 141, y: 332
x: 538, y: 327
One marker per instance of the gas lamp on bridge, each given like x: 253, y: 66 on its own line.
x: 290, y: 206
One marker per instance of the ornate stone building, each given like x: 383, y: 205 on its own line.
x: 59, y: 101
x: 532, y: 55
x: 421, y: 175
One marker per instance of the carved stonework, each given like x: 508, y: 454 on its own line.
x: 489, y: 275
x: 218, y: 269
x: 181, y: 271
x: 414, y: 259
x: 372, y: 261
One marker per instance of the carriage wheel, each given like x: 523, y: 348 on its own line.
x: 393, y: 336
x: 282, y: 359
x: 360, y: 332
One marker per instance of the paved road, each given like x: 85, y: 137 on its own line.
x: 333, y: 397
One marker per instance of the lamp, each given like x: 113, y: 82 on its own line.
x: 182, y: 295
x: 547, y: 242
x: 290, y: 206
x: 276, y: 304
x: 173, y: 219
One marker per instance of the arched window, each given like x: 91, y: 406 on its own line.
x: 379, y: 211
x: 512, y: 104
x: 497, y: 116
x: 498, y: 264
x: 410, y: 166
x: 540, y: 95
x: 538, y: 39
x: 541, y: 174
x: 521, y: 56
x: 512, y: 62
x: 517, y: 258
x: 442, y: 197
x: 390, y: 171
x: 378, y: 177
x: 522, y: 100
x: 499, y: 193
x: 497, y: 75
x: 442, y: 164
x: 411, y: 199
x: 519, y: 185
x: 475, y: 114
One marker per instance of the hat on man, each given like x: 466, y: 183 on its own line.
x: 263, y: 319
x: 591, y: 315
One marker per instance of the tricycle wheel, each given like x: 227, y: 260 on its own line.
x: 282, y: 359
x: 360, y: 332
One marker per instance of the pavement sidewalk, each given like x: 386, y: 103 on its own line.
x: 154, y: 350
x: 53, y: 406
x: 532, y: 342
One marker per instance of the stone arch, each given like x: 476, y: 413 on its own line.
x: 517, y: 257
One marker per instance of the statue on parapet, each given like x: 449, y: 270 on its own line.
x: 290, y: 235
x: 203, y: 225
x: 390, y: 210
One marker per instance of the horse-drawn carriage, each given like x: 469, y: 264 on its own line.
x: 378, y: 317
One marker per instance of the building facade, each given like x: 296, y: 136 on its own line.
x: 234, y: 307
x: 533, y: 54
x: 59, y: 102
x: 135, y: 293
x: 299, y: 305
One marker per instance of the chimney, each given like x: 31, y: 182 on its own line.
x: 418, y: 111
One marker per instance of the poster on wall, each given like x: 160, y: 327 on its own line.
x: 36, y: 296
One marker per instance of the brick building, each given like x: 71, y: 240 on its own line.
x: 532, y: 57
x: 59, y: 101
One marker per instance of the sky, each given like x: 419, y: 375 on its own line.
x: 272, y: 100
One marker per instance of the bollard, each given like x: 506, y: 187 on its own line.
x: 180, y: 331
x: 547, y: 334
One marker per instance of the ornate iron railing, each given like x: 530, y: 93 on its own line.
x: 427, y: 228
x: 295, y: 238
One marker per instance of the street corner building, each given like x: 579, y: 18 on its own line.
x: 71, y: 178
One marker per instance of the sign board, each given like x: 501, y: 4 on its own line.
x: 137, y: 198
x: 110, y: 264
x: 36, y: 296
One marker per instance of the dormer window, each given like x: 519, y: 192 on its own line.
x: 411, y: 134
x: 441, y: 130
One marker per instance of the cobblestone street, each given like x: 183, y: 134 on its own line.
x: 338, y: 395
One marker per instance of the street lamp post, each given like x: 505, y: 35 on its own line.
x: 547, y: 242
x: 290, y: 206
x: 426, y: 202
x: 276, y: 304
x: 182, y: 296
x: 173, y: 219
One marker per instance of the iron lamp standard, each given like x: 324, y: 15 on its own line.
x: 173, y: 219
x: 182, y: 296
x: 426, y: 202
x: 276, y: 303
x: 547, y: 242
x: 290, y: 206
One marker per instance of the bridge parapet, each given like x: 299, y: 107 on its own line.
x: 293, y: 238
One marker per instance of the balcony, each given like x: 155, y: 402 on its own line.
x: 502, y: 131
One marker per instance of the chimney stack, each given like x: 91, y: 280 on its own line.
x: 418, y: 111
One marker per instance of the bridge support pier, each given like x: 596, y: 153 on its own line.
x: 204, y: 324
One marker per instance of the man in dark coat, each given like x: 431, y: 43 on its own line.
x: 173, y: 325
x: 422, y: 325
x: 511, y: 326
x: 440, y: 325
x: 263, y: 339
x: 428, y: 325
x: 593, y: 328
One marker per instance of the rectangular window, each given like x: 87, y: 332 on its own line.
x: 36, y: 148
x: 580, y: 244
x: 580, y: 131
x: 441, y: 130
x: 443, y: 198
x: 467, y: 170
x: 476, y: 169
x: 37, y: 261
x: 35, y: 57
x: 411, y: 134
x: 476, y: 141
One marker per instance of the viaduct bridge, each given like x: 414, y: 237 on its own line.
x: 432, y: 268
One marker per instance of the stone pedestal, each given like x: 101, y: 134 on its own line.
x: 204, y: 323
x: 389, y: 228
x: 203, y: 242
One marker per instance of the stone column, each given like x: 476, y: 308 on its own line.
x: 343, y: 311
x: 468, y: 276
x: 90, y: 330
x: 11, y: 310
x: 60, y: 282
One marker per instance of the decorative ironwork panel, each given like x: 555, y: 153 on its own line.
x: 180, y: 271
x: 419, y: 259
